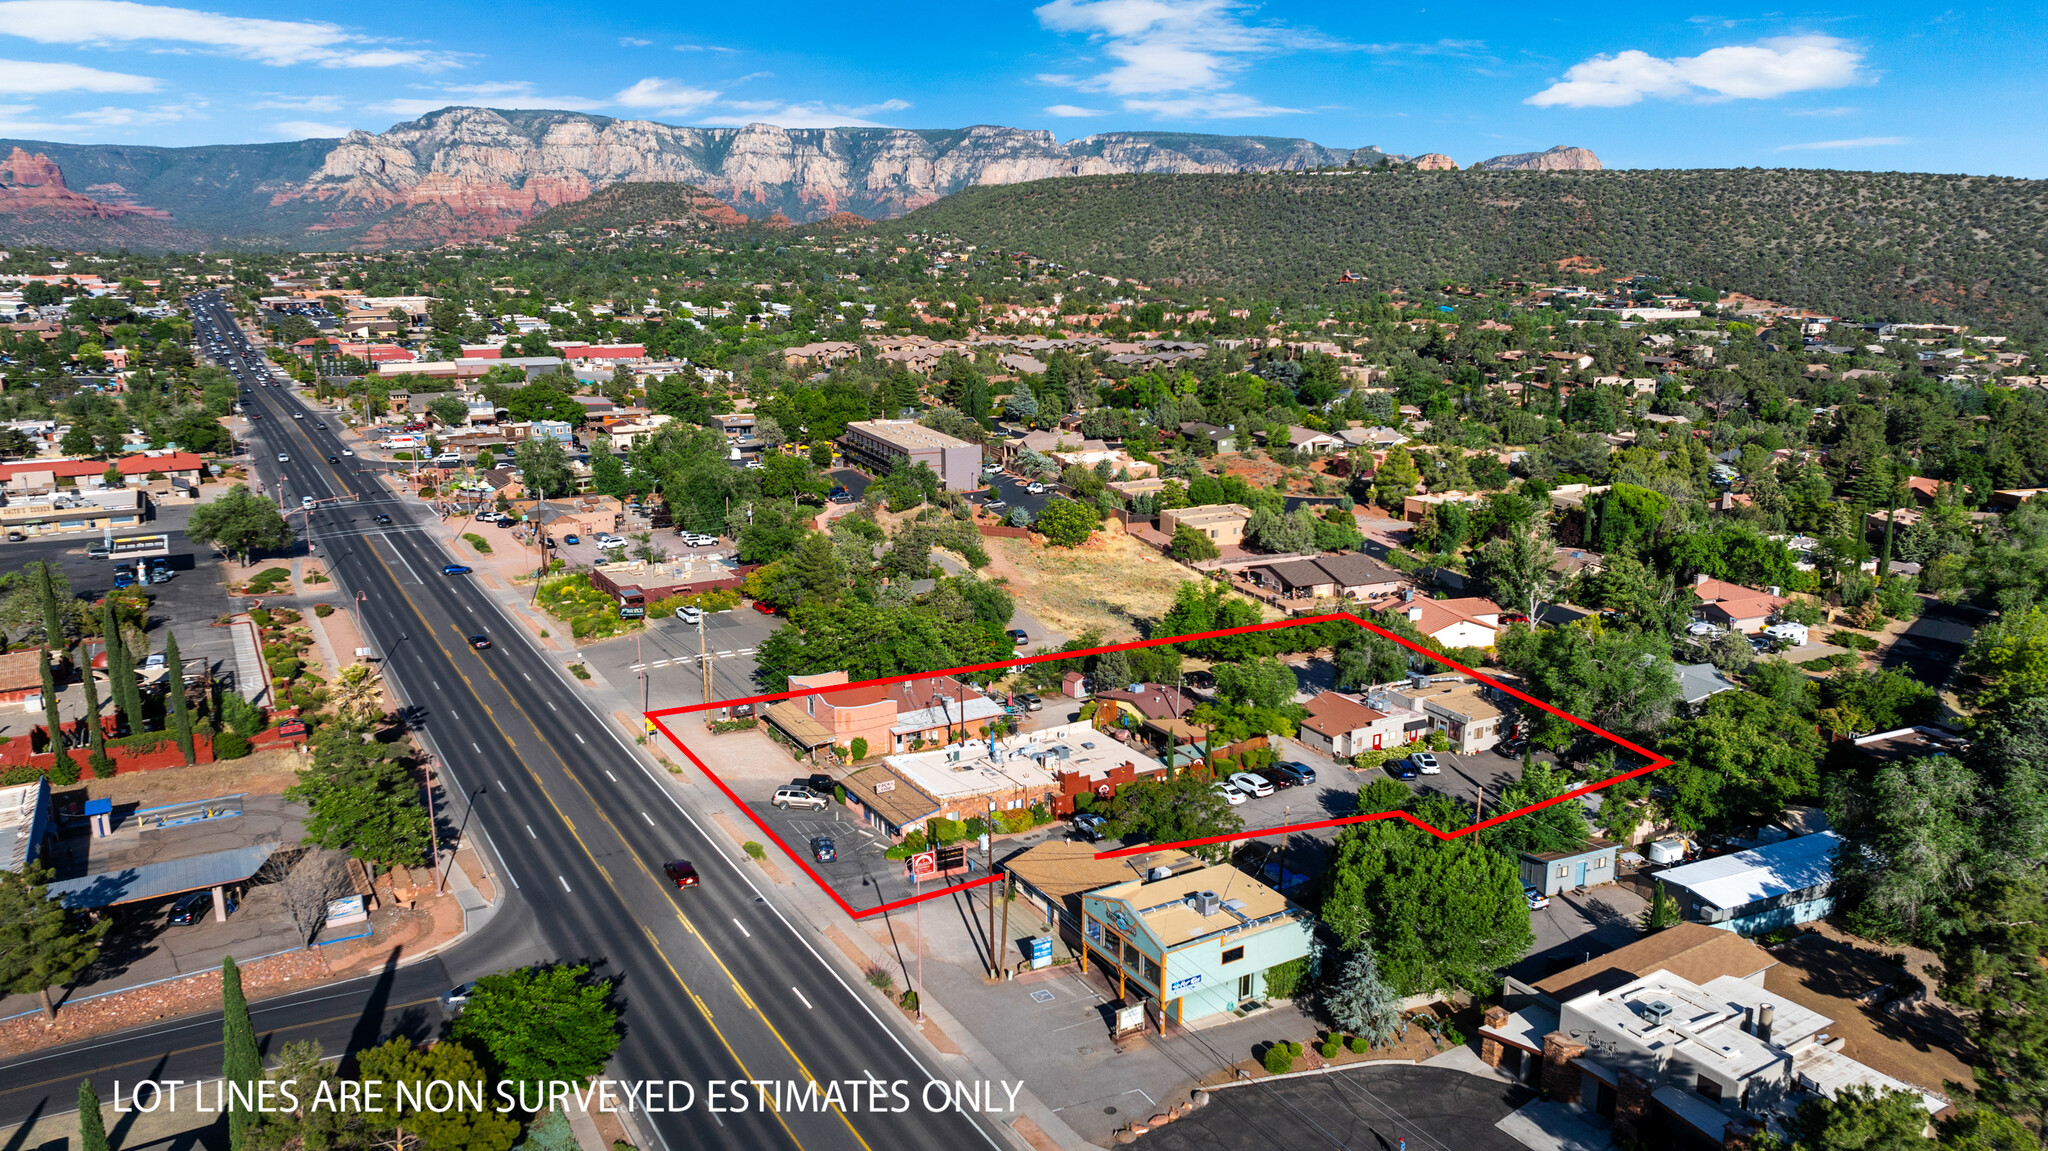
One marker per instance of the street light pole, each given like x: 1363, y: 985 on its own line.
x: 988, y: 856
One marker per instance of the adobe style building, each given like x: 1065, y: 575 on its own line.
x: 893, y: 717
x: 1222, y: 523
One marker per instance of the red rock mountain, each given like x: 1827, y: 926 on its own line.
x: 31, y: 184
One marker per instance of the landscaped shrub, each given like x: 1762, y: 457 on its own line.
x: 1358, y: 1045
x: 754, y: 851
x: 482, y: 545
x: 64, y: 772
x: 16, y: 776
x: 230, y: 744
x: 323, y: 610
x: 1279, y: 1059
x: 1331, y: 1047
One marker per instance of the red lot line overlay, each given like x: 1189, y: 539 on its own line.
x: 657, y: 717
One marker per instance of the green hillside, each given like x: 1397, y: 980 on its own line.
x: 1863, y: 244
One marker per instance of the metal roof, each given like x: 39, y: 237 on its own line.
x: 154, y: 880
x: 1732, y: 881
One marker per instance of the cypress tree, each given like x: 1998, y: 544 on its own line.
x: 92, y: 1127
x: 240, y: 1063
x: 96, y: 732
x: 55, y: 722
x: 46, y: 595
x: 121, y: 670
x: 181, y: 712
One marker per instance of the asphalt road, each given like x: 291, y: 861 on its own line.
x: 716, y: 985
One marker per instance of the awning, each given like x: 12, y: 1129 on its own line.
x: 799, y: 724
x: 154, y: 880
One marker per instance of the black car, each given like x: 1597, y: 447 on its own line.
x: 333, y: 459
x: 193, y: 908
x: 383, y: 519
x: 822, y: 849
x: 480, y: 642
x: 822, y: 784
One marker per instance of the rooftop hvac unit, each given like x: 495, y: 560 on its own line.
x: 1160, y: 873
x: 1657, y: 1011
x: 1064, y: 751
x: 1208, y: 903
x: 1418, y: 680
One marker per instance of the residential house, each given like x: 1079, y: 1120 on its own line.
x: 1310, y: 442
x: 1373, y: 437
x: 1414, y: 507
x: 1192, y: 944
x: 1223, y: 440
x: 1762, y: 889
x: 1737, y: 608
x: 1358, y: 576
x: 1294, y: 579
x: 1341, y: 726
x: 1551, y: 872
x: 1460, y: 709
x: 1698, y: 682
x: 888, y: 718
x: 1465, y: 622
x: 1222, y: 523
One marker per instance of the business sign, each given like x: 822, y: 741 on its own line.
x: 1180, y: 985
x: 1130, y: 1018
x: 924, y: 864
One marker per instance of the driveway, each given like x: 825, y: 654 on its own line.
x: 1577, y: 928
x: 1014, y: 492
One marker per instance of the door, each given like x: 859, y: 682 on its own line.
x: 1376, y: 737
x: 1582, y: 873
x: 1244, y: 987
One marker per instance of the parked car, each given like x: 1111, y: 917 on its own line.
x: 1300, y: 773
x: 822, y: 850
x: 1537, y: 900
x: 764, y: 609
x: 571, y: 538
x: 689, y: 614
x: 1230, y: 794
x: 1018, y: 637
x: 455, y: 569
x: 1033, y: 703
x: 1036, y: 489
x: 995, y: 505
x: 1401, y: 769
x: 793, y: 796
x: 680, y: 872
x: 1255, y: 785
x: 1426, y: 763
x: 1512, y: 749
x: 194, y: 908
x: 1088, y: 827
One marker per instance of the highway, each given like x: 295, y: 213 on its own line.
x: 716, y: 984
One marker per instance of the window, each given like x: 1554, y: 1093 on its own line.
x: 1562, y: 871
x: 1708, y: 1088
x: 1599, y: 863
x: 1233, y: 954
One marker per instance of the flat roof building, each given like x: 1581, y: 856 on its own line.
x: 886, y: 445
x: 1223, y: 524
x: 1761, y: 889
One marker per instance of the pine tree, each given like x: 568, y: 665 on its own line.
x: 1361, y: 1002
x: 92, y: 1126
x: 549, y: 1133
x: 46, y: 595
x: 181, y: 712
x: 1662, y: 912
x: 55, y: 722
x: 96, y: 732
x: 43, y: 944
x: 240, y: 1062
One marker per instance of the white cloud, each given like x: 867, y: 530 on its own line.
x: 277, y: 42
x: 34, y: 76
x: 1073, y: 110
x: 884, y: 106
x: 740, y: 113
x: 138, y: 117
x: 408, y: 108
x: 307, y: 129
x: 1174, y: 58
x: 1858, y: 142
x: 633, y: 42
x: 14, y: 122
x: 1756, y: 71
x: 508, y: 94
x: 285, y: 103
x: 667, y: 97
x: 706, y: 48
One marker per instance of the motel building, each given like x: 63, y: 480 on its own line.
x: 1191, y: 944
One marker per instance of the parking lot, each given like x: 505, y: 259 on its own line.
x: 668, y: 650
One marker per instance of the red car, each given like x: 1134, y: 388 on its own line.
x: 763, y: 608
x: 680, y: 872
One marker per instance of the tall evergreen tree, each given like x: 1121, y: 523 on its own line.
x: 96, y: 732
x: 240, y: 1062
x: 92, y: 1126
x: 121, y: 669
x: 1361, y: 1002
x: 43, y: 944
x: 181, y: 711
x: 46, y: 595
x: 55, y: 721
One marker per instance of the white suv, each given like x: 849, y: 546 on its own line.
x: 787, y: 797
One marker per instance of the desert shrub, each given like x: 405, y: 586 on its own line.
x: 230, y: 744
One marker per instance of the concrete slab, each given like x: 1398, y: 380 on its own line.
x: 1555, y: 1127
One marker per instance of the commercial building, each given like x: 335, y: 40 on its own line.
x: 885, y: 445
x: 1192, y: 944
x: 1459, y: 708
x: 1762, y: 889
x: 1673, y: 1040
x: 96, y: 510
x: 26, y: 826
x: 1222, y: 523
x: 1340, y: 726
x: 1553, y: 871
x: 887, y: 718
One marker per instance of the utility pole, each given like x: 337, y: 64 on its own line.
x: 433, y: 833
x: 1009, y: 886
x: 703, y: 659
x: 988, y: 856
x: 1478, y: 798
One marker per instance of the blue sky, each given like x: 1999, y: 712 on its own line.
x: 1887, y: 85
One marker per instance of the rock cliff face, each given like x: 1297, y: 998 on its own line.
x: 470, y: 172
x: 1435, y: 162
x: 1558, y: 159
x: 32, y: 184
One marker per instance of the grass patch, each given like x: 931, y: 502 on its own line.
x: 482, y: 545
x: 590, y: 613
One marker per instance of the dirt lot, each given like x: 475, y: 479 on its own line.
x: 1828, y: 975
x: 1107, y: 584
x: 261, y: 773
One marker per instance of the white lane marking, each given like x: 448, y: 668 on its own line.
x: 503, y: 788
x: 479, y: 751
x: 648, y: 818
x: 469, y: 609
x: 579, y: 737
x: 608, y: 775
x: 724, y: 654
x: 743, y: 928
x: 565, y: 884
x: 437, y: 685
x: 800, y: 999
x: 529, y: 831
x: 551, y: 706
